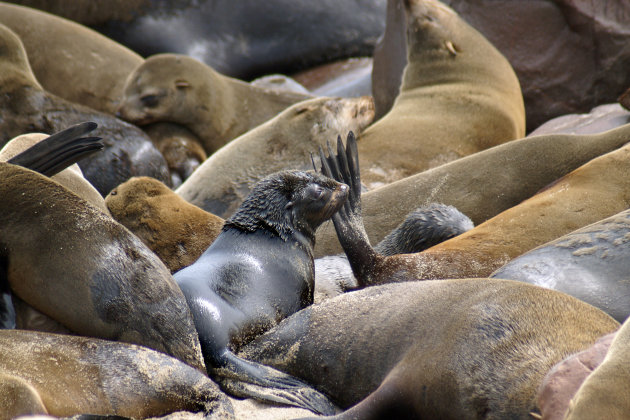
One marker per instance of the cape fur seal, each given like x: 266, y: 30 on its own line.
x: 284, y: 142
x: 177, y: 231
x: 467, y: 348
x: 481, y: 185
x: 595, y: 190
x: 26, y: 107
x: 258, y: 271
x: 458, y: 96
x: 64, y: 375
x: 75, y: 264
x: 216, y: 108
x: 591, y: 264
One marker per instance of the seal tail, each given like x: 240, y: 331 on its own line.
x: 60, y: 150
x: 243, y: 378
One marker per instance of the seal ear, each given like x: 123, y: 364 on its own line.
x: 289, y: 205
x: 181, y: 84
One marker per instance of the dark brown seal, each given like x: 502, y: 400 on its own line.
x: 62, y: 375
x: 468, y: 348
x: 75, y: 264
x: 258, y: 271
x: 177, y: 231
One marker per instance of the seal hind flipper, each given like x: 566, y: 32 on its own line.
x: 60, y: 150
x: 348, y: 221
x: 244, y: 378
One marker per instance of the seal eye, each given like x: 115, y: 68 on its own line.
x: 150, y: 101
x: 315, y: 192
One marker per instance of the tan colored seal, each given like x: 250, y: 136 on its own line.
x: 63, y: 375
x: 71, y: 177
x: 459, y: 95
x: 455, y: 349
x: 286, y: 141
x: 177, y: 231
x: 481, y: 185
x: 77, y: 265
x: 216, y: 108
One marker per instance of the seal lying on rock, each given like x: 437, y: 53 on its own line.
x: 455, y: 349
x: 258, y: 271
x: 216, y: 108
x: 64, y: 375
x: 73, y: 263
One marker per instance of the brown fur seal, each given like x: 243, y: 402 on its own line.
x: 258, y: 271
x: 591, y: 264
x: 62, y: 375
x: 604, y: 393
x: 481, y: 185
x: 177, y: 231
x: 216, y: 108
x: 458, y: 96
x: 26, y: 107
x: 75, y: 264
x: 468, y: 348
x: 284, y: 142
x: 595, y: 190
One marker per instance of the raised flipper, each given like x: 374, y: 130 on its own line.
x: 348, y: 221
x: 243, y: 378
x: 60, y: 150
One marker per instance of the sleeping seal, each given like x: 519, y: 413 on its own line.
x: 258, y: 271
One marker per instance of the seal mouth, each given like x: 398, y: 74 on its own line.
x: 339, y: 196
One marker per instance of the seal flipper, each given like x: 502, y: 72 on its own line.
x: 244, y: 378
x: 348, y: 221
x: 60, y: 150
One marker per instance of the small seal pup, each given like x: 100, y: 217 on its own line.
x: 258, y: 271
x: 454, y: 349
x: 177, y: 231
x: 216, y: 108
x: 63, y: 375
x: 284, y: 142
x: 459, y: 95
x: 75, y: 264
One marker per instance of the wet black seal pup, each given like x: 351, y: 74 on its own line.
x: 258, y: 271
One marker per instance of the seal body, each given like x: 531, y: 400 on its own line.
x: 76, y: 265
x: 216, y: 108
x: 259, y: 270
x: 591, y: 263
x: 475, y: 348
x: 481, y: 185
x: 284, y: 142
x: 458, y: 96
x: 64, y: 375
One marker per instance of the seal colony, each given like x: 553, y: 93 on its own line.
x: 258, y: 271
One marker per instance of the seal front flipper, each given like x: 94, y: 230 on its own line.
x: 60, y: 150
x: 247, y: 379
x: 348, y: 221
